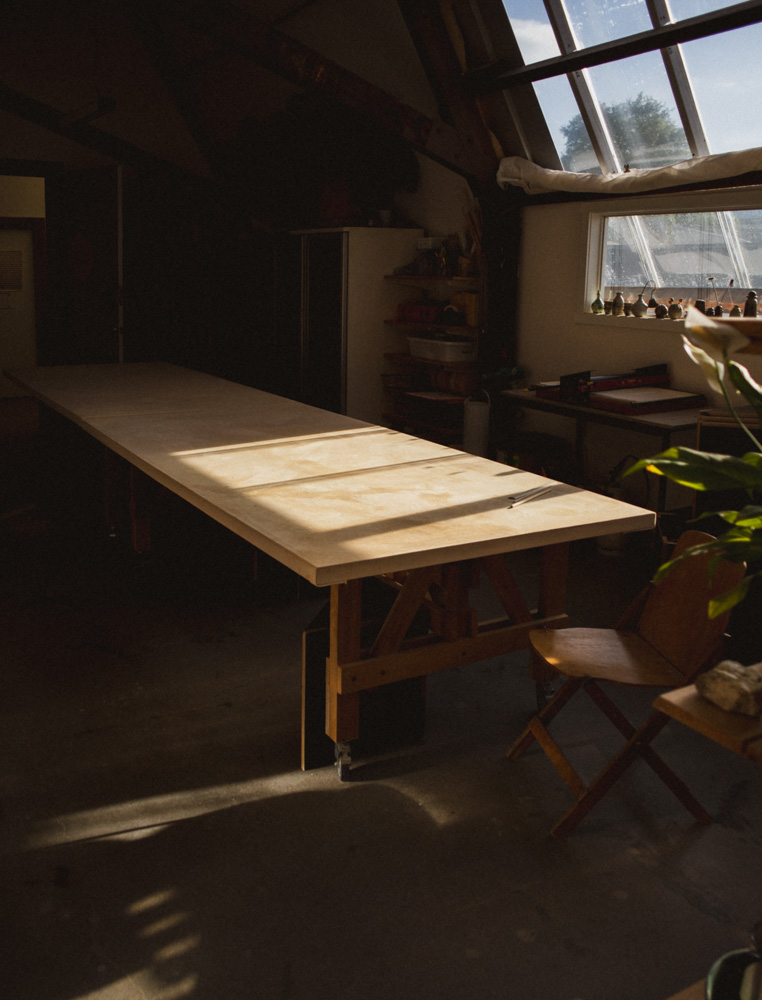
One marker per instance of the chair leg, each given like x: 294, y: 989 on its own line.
x: 654, y: 725
x: 609, y: 709
x: 595, y: 791
x: 555, y: 755
x: 637, y: 746
x: 551, y: 710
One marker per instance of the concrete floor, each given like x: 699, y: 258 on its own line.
x: 160, y: 841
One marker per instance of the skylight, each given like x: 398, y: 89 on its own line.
x: 648, y: 108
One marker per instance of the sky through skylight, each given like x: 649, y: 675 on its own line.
x: 725, y: 70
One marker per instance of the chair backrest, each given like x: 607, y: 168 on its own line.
x: 675, y: 620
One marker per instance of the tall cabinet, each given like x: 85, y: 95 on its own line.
x: 344, y: 303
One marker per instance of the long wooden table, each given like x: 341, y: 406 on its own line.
x: 340, y: 501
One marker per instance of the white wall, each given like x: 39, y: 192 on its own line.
x: 368, y: 39
x: 441, y: 202
x: 558, y: 334
x: 22, y: 197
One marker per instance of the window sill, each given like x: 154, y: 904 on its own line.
x: 751, y: 327
x: 627, y: 322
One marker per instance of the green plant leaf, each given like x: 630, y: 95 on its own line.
x: 695, y: 550
x: 739, y: 543
x: 702, y: 470
x: 724, y: 602
x: 747, y: 517
x: 736, y: 545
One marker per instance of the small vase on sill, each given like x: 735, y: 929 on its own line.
x: 639, y: 307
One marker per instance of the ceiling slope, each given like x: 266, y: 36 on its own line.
x: 171, y: 82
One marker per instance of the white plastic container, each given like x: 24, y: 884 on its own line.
x: 429, y: 242
x: 441, y: 350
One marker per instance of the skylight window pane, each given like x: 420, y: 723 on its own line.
x: 597, y: 21
x: 726, y: 73
x: 531, y: 27
x: 680, y: 9
x: 640, y: 111
x: 562, y: 115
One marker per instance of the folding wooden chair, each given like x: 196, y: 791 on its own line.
x: 663, y: 640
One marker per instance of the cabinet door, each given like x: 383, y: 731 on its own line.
x: 324, y: 320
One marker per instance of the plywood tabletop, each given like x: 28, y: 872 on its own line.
x: 82, y: 391
x: 331, y: 497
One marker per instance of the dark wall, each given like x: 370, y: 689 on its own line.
x: 204, y: 285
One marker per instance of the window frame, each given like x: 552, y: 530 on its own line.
x: 508, y: 75
x: 593, y: 219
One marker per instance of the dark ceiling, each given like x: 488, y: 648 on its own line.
x: 189, y: 83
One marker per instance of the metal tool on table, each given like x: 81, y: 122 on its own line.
x: 518, y: 498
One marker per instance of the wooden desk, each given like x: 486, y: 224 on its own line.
x: 338, y: 500
x: 740, y: 733
x: 660, y: 425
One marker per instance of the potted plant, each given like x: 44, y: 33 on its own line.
x: 710, y: 345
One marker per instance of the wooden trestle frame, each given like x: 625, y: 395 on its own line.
x: 456, y: 636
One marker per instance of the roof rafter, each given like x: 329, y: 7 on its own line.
x: 429, y: 34
x: 162, y: 52
x: 15, y: 103
x: 253, y: 39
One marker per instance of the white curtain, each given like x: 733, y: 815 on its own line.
x: 516, y: 171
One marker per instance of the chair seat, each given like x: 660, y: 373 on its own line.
x: 605, y: 654
x: 662, y: 640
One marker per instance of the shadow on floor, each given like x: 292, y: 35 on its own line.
x: 159, y: 840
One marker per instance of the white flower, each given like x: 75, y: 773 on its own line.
x: 716, y: 340
x: 714, y: 371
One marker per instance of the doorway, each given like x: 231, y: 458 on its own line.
x: 18, y: 337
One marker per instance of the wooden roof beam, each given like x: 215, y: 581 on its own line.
x: 162, y: 52
x: 80, y: 131
x: 429, y: 33
x: 240, y: 32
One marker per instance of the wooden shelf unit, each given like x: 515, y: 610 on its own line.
x: 460, y: 330
x: 429, y: 280
x: 445, y: 384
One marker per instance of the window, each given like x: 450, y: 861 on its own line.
x: 638, y: 83
x: 624, y: 84
x: 711, y: 255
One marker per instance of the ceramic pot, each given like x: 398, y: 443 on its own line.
x: 675, y: 310
x: 639, y: 306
